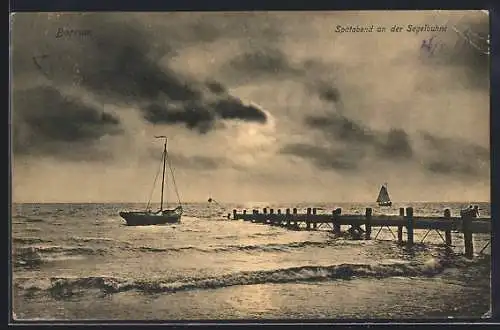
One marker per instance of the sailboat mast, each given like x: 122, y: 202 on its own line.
x: 163, y: 178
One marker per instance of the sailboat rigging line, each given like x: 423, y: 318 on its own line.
x: 154, y: 184
x: 173, y: 179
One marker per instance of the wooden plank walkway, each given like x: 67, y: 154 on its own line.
x: 311, y: 220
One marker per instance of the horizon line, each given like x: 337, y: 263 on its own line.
x: 241, y: 202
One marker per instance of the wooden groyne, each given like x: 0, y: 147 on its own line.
x: 334, y: 220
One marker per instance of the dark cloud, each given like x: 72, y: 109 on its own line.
x: 201, y: 31
x: 456, y: 146
x: 123, y: 64
x: 455, y: 157
x: 186, y: 161
x: 438, y: 155
x: 325, y: 157
x: 132, y: 74
x: 341, y: 128
x: 120, y: 62
x: 197, y: 162
x: 194, y: 116
x: 329, y: 93
x: 347, y: 143
x: 272, y: 63
x: 215, y: 87
x: 200, y: 116
x: 232, y: 108
x: 444, y: 166
x: 465, y: 47
x: 392, y: 144
x: 267, y: 61
x: 395, y: 144
x: 196, y: 28
x: 46, y: 121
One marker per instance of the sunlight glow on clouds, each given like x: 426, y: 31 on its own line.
x: 255, y: 105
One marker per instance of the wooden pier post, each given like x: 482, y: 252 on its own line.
x: 287, y: 212
x: 294, y: 221
x: 264, y: 210
x: 257, y: 217
x: 315, y: 224
x: 410, y: 224
x: 368, y: 223
x: 336, y: 226
x: 466, y: 228
x: 271, y: 216
x: 400, y: 228
x: 308, y: 224
x: 234, y: 214
x: 278, y: 218
x: 447, y: 233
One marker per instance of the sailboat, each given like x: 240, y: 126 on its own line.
x: 383, y: 198
x: 162, y: 216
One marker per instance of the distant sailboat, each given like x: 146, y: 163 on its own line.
x: 212, y: 200
x: 162, y: 216
x: 383, y: 198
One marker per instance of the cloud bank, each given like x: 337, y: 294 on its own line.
x: 266, y: 104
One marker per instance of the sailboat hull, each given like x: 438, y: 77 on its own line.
x: 385, y: 204
x: 150, y: 218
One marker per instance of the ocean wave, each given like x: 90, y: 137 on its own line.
x: 30, y: 240
x: 272, y: 247
x: 28, y: 219
x: 58, y: 249
x: 227, y: 237
x: 97, y: 240
x: 42, y: 213
x: 65, y: 287
x: 33, y: 256
x: 32, y: 230
x: 192, y: 230
x: 273, y: 234
x: 256, y: 235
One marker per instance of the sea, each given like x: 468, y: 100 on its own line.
x: 81, y: 262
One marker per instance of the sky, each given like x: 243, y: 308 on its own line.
x: 257, y: 106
